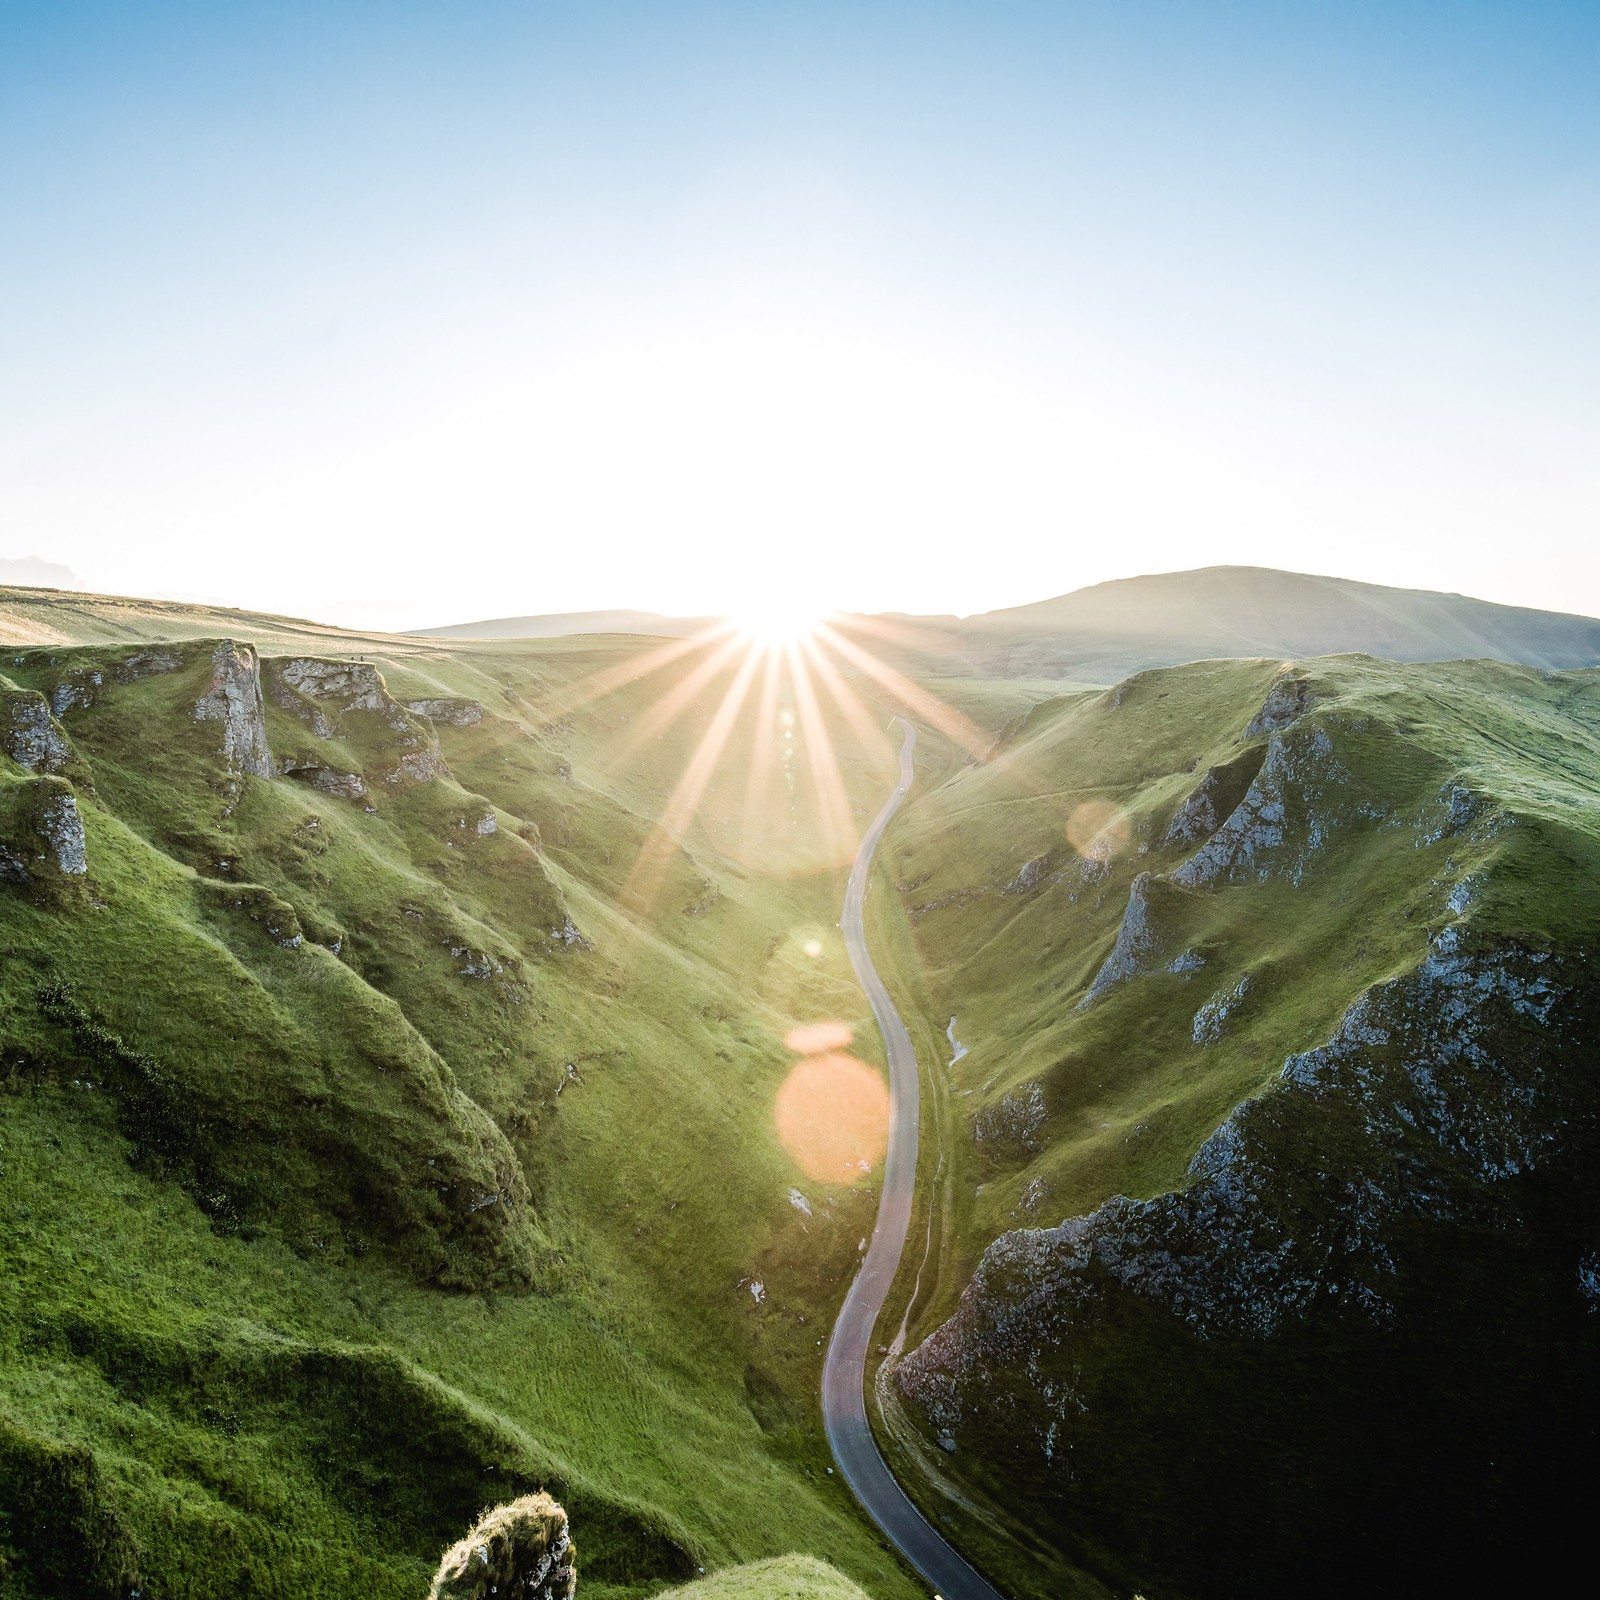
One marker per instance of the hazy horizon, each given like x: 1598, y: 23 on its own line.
x: 386, y: 313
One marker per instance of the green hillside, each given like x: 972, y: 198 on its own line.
x: 1113, y: 629
x: 386, y: 1117
x: 1354, y: 897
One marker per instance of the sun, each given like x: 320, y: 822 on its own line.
x: 775, y: 622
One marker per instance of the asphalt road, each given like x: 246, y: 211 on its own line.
x: 844, y: 1405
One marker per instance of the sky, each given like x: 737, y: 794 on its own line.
x: 404, y: 314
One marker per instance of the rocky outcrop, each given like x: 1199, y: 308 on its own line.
x: 45, y: 843
x: 1016, y: 1124
x: 1031, y: 874
x: 1282, y: 822
x: 457, y: 713
x: 1214, y: 1015
x: 1145, y: 939
x: 1287, y: 701
x: 523, y: 1549
x: 1211, y: 801
x: 327, y: 780
x: 29, y: 734
x: 350, y: 700
x: 147, y: 664
x: 1438, y: 1152
x: 79, y: 688
x: 61, y: 827
x: 233, y: 698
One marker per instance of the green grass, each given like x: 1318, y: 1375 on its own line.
x: 1369, y: 871
x: 264, y: 1067
x: 785, y: 1578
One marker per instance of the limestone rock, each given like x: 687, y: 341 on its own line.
x: 1287, y: 701
x: 61, y: 827
x: 1141, y: 945
x: 458, y: 713
x: 234, y: 700
x: 523, y: 1549
x: 30, y: 735
x: 327, y: 780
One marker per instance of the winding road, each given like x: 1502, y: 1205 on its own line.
x: 844, y: 1405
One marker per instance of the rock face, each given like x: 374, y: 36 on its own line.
x: 30, y: 735
x: 349, y: 699
x: 61, y: 827
x: 46, y: 843
x: 1144, y: 943
x: 1326, y: 1222
x: 1292, y: 798
x: 1287, y: 701
x: 1211, y: 801
x: 234, y: 700
x: 522, y: 1549
x: 326, y: 780
x: 457, y: 713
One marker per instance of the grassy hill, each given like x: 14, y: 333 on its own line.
x: 1274, y: 981
x: 386, y: 1112
x: 391, y: 1030
x: 1106, y: 632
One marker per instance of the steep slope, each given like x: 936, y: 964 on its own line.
x: 1112, y: 629
x: 1275, y: 982
x: 359, y: 1090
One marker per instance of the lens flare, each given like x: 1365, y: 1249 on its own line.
x: 832, y: 1116
x: 814, y: 1038
x: 1097, y: 830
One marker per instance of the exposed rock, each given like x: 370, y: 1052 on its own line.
x: 346, y: 785
x: 419, y: 766
x: 521, y: 1550
x: 1282, y: 822
x: 1031, y: 876
x: 1209, y: 1019
x: 568, y: 935
x: 1186, y: 962
x: 1438, y: 1088
x: 1211, y: 801
x: 147, y: 664
x: 347, y: 685
x: 1016, y: 1123
x: 61, y: 827
x: 78, y: 688
x: 457, y: 713
x: 1141, y: 944
x: 234, y: 700
x: 1287, y: 701
x: 31, y: 736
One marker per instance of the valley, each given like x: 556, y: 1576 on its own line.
x: 393, y: 1029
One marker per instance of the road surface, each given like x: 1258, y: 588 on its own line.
x: 844, y: 1405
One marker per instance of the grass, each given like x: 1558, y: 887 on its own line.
x: 371, y: 1168
x: 1059, y: 1105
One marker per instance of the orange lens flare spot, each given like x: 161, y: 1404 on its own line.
x: 813, y: 1038
x: 832, y: 1116
x: 1097, y: 830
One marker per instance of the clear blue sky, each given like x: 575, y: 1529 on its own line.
x: 407, y: 313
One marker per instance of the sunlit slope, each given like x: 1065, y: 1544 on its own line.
x: 787, y: 1578
x: 1355, y: 897
x: 387, y: 1122
x: 1107, y: 631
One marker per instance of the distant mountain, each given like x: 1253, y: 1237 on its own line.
x: 561, y: 624
x: 1112, y: 629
